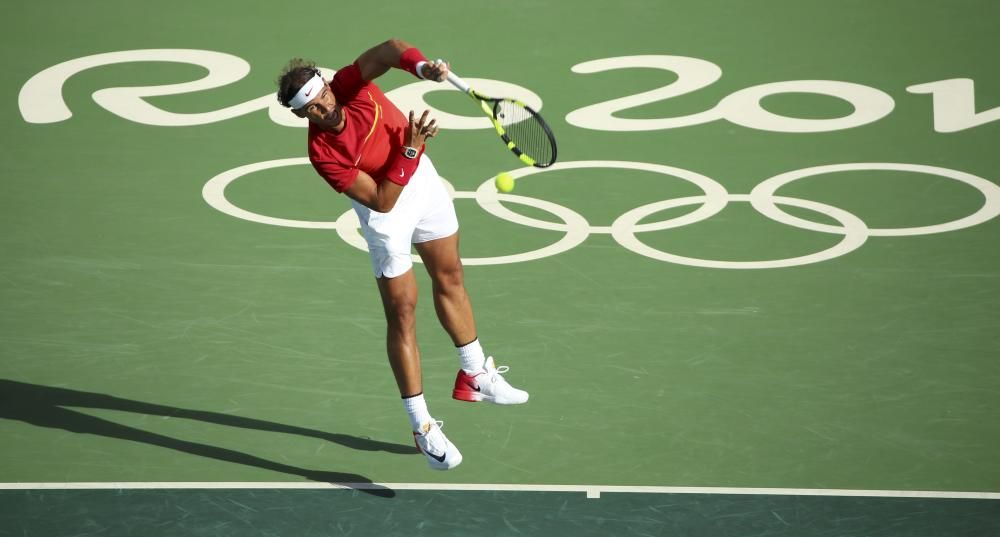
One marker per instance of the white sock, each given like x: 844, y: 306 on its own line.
x: 416, y: 409
x: 471, y: 357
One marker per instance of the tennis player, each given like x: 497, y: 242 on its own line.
x: 366, y: 148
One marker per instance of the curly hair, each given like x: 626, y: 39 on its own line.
x: 293, y: 77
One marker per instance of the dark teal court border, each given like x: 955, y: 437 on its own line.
x: 335, y: 512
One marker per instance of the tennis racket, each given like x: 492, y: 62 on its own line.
x: 520, y: 127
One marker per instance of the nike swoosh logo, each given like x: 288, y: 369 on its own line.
x: 308, y: 92
x: 439, y: 458
x: 401, y: 173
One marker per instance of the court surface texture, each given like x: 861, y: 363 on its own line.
x: 759, y: 294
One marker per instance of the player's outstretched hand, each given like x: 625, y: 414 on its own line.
x: 420, y: 130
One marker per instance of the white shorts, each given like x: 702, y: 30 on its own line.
x: 423, y: 212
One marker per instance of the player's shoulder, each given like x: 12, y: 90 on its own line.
x: 347, y: 81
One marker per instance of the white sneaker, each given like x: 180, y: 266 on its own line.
x: 431, y: 441
x: 488, y: 385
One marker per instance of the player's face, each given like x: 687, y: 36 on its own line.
x: 324, y: 110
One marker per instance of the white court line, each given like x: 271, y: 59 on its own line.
x: 592, y: 491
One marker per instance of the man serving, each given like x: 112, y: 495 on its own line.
x: 364, y: 147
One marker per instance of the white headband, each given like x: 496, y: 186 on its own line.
x: 307, y: 92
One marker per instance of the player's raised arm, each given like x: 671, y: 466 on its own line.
x: 377, y: 60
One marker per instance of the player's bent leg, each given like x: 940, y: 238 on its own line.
x: 451, y: 300
x: 454, y: 308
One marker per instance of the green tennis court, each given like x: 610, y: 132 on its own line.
x: 758, y: 295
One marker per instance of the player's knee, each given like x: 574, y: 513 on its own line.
x: 401, y: 313
x: 450, y: 277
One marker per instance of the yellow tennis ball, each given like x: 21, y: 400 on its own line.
x: 504, y: 182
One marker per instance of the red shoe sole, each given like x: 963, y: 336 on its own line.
x: 467, y: 395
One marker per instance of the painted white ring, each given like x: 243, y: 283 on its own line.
x: 763, y: 193
x: 715, y: 194
x: 855, y: 235
x: 214, y: 193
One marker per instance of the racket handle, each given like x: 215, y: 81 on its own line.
x: 458, y: 83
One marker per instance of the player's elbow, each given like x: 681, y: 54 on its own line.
x: 379, y: 205
x: 386, y: 195
x: 396, y: 44
x: 384, y: 205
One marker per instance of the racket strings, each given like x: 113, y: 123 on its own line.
x: 526, y: 130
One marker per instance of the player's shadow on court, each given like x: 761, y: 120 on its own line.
x: 45, y: 406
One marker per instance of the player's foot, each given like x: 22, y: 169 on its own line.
x: 440, y: 452
x: 487, y: 385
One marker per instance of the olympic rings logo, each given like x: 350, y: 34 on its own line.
x: 626, y: 228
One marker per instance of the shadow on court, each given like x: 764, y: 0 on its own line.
x: 44, y: 406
